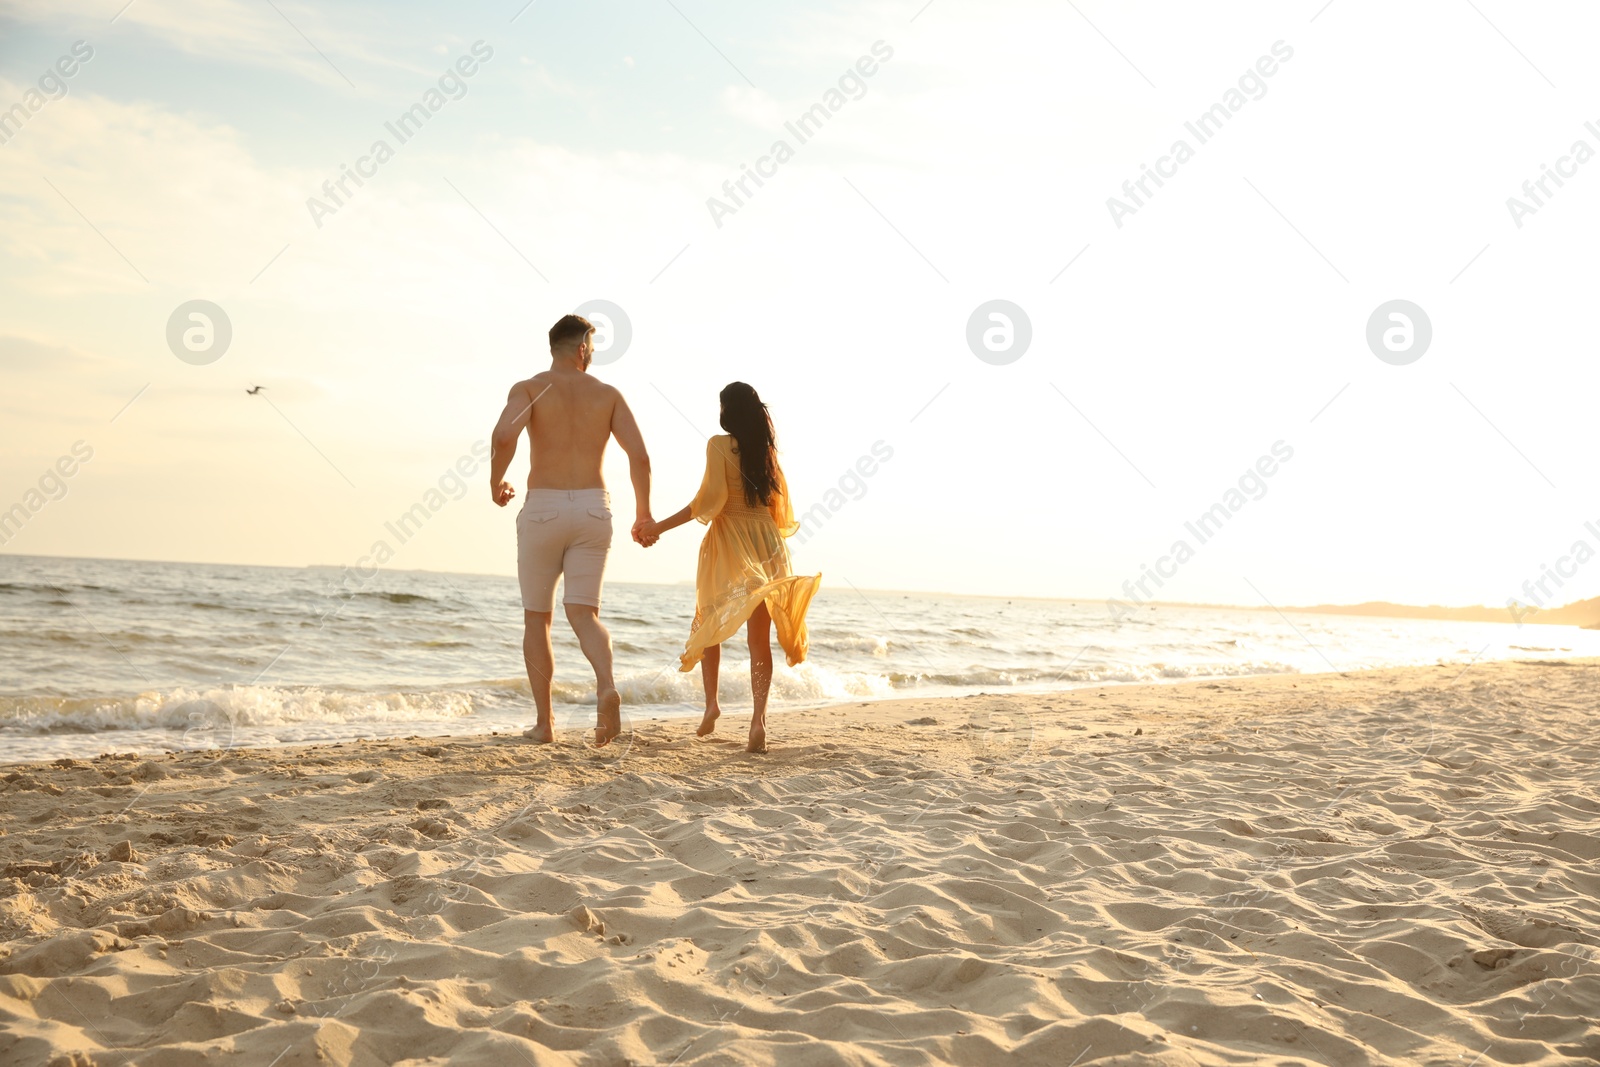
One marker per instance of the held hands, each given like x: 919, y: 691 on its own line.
x: 502, y: 493
x: 646, y: 532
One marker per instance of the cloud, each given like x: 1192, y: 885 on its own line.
x: 387, y: 302
x: 234, y: 32
x: 756, y: 107
x: 21, y: 356
x: 92, y: 181
x: 49, y: 383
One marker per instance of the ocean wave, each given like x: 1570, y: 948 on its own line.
x: 199, y: 708
x: 873, y: 646
x: 94, y: 638
x: 393, y: 598
x: 192, y: 708
x: 49, y: 587
x: 223, y: 708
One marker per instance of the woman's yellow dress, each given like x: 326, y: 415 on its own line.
x: 744, y: 561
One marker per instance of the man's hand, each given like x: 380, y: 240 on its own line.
x: 503, y: 493
x: 644, y: 532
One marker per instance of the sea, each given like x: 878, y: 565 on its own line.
x: 118, y: 656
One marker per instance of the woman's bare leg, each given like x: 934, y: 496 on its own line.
x: 709, y: 664
x: 759, y: 634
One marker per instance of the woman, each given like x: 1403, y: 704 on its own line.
x: 744, y: 574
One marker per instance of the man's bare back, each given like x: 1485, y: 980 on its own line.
x: 569, y: 425
x: 570, y: 417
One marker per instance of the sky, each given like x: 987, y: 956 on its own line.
x: 1182, y: 341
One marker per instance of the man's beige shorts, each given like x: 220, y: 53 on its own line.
x: 563, y: 532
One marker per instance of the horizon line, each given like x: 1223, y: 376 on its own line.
x: 1298, y: 609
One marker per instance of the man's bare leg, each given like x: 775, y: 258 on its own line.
x: 709, y: 664
x: 540, y: 658
x: 759, y: 634
x: 595, y: 640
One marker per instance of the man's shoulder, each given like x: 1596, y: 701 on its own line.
x: 582, y: 383
x: 573, y: 386
x: 605, y: 389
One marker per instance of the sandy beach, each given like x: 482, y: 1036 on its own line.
x: 1387, y: 867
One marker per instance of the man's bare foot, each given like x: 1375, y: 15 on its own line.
x: 609, y: 725
x: 540, y: 733
x: 708, y: 724
x: 758, y: 738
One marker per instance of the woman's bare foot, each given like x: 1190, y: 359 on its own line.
x: 758, y: 737
x: 609, y: 725
x: 540, y: 733
x: 708, y: 724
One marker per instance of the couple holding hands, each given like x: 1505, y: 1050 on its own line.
x: 744, y: 576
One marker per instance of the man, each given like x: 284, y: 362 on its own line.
x: 564, y: 528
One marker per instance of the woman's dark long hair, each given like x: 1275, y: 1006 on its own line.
x: 747, y: 419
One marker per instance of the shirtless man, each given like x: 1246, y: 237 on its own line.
x: 564, y: 528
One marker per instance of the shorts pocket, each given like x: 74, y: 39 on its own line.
x: 600, y: 513
x: 537, y: 516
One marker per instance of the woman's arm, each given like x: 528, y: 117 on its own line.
x: 673, y: 521
x: 707, y: 502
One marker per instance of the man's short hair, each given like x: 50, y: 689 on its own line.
x: 569, y: 328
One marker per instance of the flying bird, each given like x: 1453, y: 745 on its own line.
x: 254, y: 389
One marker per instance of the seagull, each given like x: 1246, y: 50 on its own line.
x: 254, y: 389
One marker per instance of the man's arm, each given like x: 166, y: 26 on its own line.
x: 626, y: 431
x: 503, y: 442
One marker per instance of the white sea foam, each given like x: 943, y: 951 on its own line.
x: 240, y: 705
x: 111, y: 653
